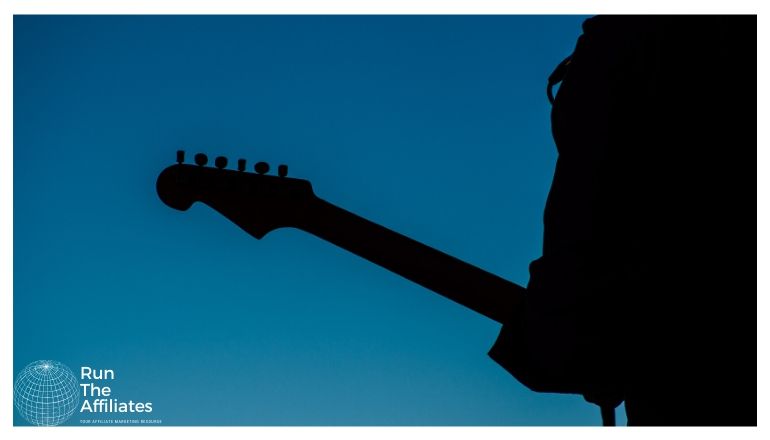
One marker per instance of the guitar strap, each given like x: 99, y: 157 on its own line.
x: 557, y: 76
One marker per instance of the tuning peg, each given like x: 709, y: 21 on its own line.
x: 283, y: 170
x: 201, y: 159
x: 220, y: 162
x: 261, y: 167
x: 241, y: 164
x: 179, y: 156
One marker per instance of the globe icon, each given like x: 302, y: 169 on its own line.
x: 46, y: 393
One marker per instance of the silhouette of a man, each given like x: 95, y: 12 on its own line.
x: 645, y: 290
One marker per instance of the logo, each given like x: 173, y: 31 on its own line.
x: 46, y: 393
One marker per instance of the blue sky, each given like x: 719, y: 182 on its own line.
x: 436, y: 127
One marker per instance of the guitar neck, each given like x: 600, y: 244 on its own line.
x: 461, y: 282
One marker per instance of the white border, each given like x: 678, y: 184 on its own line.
x: 379, y: 7
x: 10, y: 7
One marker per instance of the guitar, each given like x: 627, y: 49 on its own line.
x: 259, y: 203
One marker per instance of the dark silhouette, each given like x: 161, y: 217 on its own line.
x: 644, y: 291
x: 259, y: 203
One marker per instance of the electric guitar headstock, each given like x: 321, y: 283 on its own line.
x: 256, y: 201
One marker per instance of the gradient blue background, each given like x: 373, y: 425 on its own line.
x: 437, y: 127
